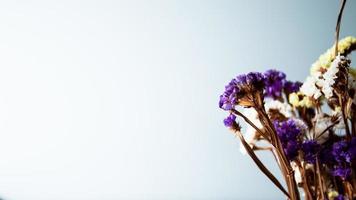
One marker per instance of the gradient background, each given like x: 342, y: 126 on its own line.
x: 118, y: 99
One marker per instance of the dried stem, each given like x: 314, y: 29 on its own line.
x: 260, y: 165
x: 338, y: 25
x: 250, y: 123
x: 325, y: 130
x: 320, y: 179
x: 286, y: 169
x: 305, y: 180
x: 342, y: 105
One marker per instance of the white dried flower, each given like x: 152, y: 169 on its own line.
x: 322, y: 122
x: 250, y: 134
x: 284, y: 108
x: 252, y: 116
x: 250, y: 138
x: 309, y: 87
x: 297, y: 174
x: 329, y: 77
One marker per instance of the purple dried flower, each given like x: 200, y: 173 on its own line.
x: 341, y: 152
x: 326, y: 156
x: 239, y: 87
x: 290, y: 87
x: 229, y: 98
x: 310, y: 149
x: 291, y: 149
x: 241, y: 79
x: 229, y: 121
x: 289, y: 132
x: 342, y: 172
x: 274, y: 83
x: 340, y: 197
x: 256, y: 80
x: 352, y: 148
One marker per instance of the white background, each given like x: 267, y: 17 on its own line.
x: 118, y: 99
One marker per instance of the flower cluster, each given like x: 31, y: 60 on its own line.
x: 344, y: 153
x: 290, y: 136
x: 345, y: 46
x: 290, y: 87
x: 274, y: 81
x: 310, y: 149
x: 309, y: 127
x: 239, y: 88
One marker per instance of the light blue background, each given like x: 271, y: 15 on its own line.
x: 118, y: 99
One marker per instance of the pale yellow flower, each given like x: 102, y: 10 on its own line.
x: 325, y: 59
x: 294, y: 99
x: 300, y: 100
x: 333, y: 194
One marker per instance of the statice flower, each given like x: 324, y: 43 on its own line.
x: 309, y: 127
x: 290, y: 87
x: 250, y: 138
x: 228, y: 99
x: 329, y: 77
x: 340, y: 197
x: 334, y: 78
x: 289, y: 134
x: 324, y: 61
x: 298, y: 99
x: 352, y: 148
x: 342, y: 172
x: 274, y: 82
x: 236, y: 91
x: 310, y: 150
x: 297, y: 174
x: 291, y: 149
x: 344, y: 154
x: 341, y: 152
x: 229, y: 121
x: 311, y: 87
x: 283, y: 108
x: 255, y: 80
x: 326, y: 156
x: 250, y: 133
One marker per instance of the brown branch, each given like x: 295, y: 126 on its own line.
x: 342, y: 105
x: 250, y: 123
x: 320, y: 181
x: 260, y: 165
x: 338, y: 25
x: 327, y: 128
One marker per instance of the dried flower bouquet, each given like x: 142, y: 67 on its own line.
x: 310, y: 127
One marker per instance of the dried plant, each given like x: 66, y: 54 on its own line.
x: 310, y: 127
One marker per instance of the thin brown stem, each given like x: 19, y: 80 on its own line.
x: 260, y: 165
x: 342, y: 105
x: 305, y: 180
x: 286, y: 168
x: 250, y: 123
x: 353, y: 124
x: 257, y: 148
x: 338, y: 25
x: 320, y: 180
x: 324, y: 131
